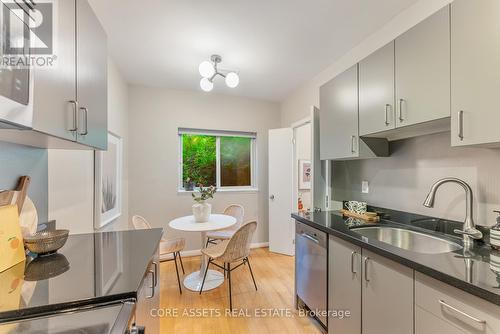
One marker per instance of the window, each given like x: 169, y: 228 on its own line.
x: 224, y: 159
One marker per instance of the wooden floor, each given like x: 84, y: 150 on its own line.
x: 275, y: 281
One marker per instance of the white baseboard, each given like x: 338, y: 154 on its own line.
x: 197, y: 252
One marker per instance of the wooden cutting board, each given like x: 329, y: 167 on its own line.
x: 369, y: 217
x: 18, y: 196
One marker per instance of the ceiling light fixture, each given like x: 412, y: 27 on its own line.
x: 208, y: 70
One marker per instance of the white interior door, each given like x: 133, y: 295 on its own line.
x: 281, y: 226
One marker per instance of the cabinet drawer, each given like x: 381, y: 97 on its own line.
x: 458, y: 308
x: 426, y: 323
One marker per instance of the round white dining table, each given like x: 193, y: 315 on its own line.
x: 188, y: 224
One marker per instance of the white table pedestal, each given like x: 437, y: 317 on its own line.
x: 214, y: 278
x: 188, y: 224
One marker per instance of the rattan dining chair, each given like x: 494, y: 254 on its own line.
x: 234, y: 210
x: 170, y: 249
x: 236, y: 249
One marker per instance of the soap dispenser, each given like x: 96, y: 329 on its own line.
x: 495, y: 234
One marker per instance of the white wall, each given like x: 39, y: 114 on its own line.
x: 298, y: 104
x: 155, y: 116
x: 71, y: 172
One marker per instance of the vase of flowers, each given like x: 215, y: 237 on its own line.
x: 201, y: 209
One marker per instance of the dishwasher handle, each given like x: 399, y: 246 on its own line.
x: 309, y: 237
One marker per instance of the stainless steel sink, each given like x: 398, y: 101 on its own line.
x: 409, y: 240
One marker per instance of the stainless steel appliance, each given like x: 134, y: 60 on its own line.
x: 16, y: 84
x: 311, y: 270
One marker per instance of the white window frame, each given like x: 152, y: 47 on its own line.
x: 218, y: 134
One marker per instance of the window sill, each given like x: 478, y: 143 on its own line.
x: 226, y: 190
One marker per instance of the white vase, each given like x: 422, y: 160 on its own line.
x: 201, y: 212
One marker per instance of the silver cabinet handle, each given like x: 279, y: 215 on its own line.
x: 271, y: 197
x: 353, y: 139
x: 401, y: 118
x: 461, y: 125
x: 353, y: 255
x: 155, y: 264
x: 86, y: 118
x: 444, y: 304
x: 387, y: 109
x: 152, y: 287
x: 74, y: 126
x: 309, y: 237
x: 366, y: 269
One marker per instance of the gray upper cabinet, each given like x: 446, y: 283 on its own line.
x: 475, y: 76
x: 92, y: 78
x: 387, y: 296
x: 376, y: 91
x: 422, y: 57
x: 70, y: 98
x: 339, y: 116
x: 54, y: 107
x: 344, y: 286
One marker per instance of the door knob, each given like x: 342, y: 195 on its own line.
x: 271, y: 197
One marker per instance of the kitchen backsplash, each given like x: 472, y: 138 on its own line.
x: 18, y: 160
x: 402, y: 181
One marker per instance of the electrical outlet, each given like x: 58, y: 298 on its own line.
x: 365, y: 187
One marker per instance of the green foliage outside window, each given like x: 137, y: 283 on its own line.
x: 235, y: 155
x: 199, y: 159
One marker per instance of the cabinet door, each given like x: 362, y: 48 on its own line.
x: 339, y: 116
x: 376, y: 91
x: 387, y: 296
x: 475, y: 60
x: 149, y: 297
x: 423, y: 71
x: 54, y: 105
x: 344, y: 287
x: 91, y: 78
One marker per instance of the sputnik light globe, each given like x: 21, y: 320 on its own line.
x: 232, y: 80
x: 206, y: 85
x: 206, y: 69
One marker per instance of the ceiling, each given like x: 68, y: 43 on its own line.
x: 275, y: 44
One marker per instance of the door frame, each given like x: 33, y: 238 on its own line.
x: 295, y: 183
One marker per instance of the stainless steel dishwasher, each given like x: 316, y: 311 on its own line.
x: 311, y: 258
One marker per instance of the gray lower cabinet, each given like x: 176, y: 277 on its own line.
x: 344, y: 286
x: 376, y: 91
x: 378, y: 292
x: 92, y: 94
x: 339, y: 135
x: 422, y: 68
x: 149, y: 297
x: 441, y: 308
x: 475, y: 74
x: 387, y: 296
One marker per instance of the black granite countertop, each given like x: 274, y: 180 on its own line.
x: 465, y: 269
x: 90, y: 269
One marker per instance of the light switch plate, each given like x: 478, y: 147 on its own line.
x: 365, y: 187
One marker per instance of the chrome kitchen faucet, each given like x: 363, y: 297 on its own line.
x: 469, y: 231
